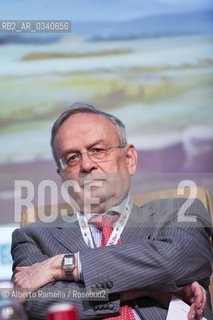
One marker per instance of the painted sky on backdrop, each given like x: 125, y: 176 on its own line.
x: 96, y: 10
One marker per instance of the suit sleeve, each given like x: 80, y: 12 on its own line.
x: 172, y: 254
x: 25, y: 252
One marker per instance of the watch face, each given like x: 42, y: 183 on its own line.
x: 69, y: 261
x: 68, y: 264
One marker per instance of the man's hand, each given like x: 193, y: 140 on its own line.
x: 195, y: 294
x: 39, y: 274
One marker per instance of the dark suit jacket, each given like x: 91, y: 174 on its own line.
x: 158, y: 253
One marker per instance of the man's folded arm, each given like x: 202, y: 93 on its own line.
x: 178, y: 254
x: 25, y: 252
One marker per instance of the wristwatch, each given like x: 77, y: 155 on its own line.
x: 68, y: 265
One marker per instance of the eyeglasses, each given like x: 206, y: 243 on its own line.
x: 95, y: 154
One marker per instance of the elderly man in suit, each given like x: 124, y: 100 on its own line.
x: 141, y: 256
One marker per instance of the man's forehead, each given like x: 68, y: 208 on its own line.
x: 81, y: 121
x: 86, y: 125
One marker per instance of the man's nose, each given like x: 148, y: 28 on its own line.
x: 86, y: 163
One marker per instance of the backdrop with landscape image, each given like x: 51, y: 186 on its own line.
x: 149, y: 63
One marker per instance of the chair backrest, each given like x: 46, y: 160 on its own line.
x: 201, y: 193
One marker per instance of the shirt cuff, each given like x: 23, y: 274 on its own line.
x: 79, y: 267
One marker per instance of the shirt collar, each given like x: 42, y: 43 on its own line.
x: 119, y: 208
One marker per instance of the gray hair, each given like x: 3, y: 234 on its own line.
x: 79, y: 107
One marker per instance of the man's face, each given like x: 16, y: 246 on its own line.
x: 107, y: 182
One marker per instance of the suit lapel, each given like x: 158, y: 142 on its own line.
x: 140, y: 224
x: 69, y: 235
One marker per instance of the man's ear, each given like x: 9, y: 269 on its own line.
x: 131, y: 159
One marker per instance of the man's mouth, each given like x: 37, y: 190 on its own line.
x: 91, y: 183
